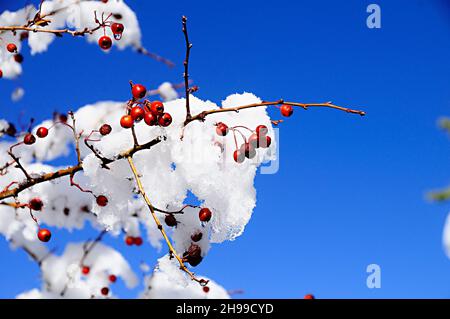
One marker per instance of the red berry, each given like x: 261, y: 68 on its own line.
x: 253, y: 140
x: 204, y: 214
x: 138, y: 241
x: 309, y: 296
x: 129, y: 240
x: 137, y: 113
x: 105, y: 129
x: 1, y: 73
x: 117, y: 28
x: 105, y: 291
x: 150, y: 119
x: 29, y: 139
x: 206, y: 289
x: 62, y: 118
x: 112, y: 278
x: 85, y: 270
x: 170, y: 220
x: 102, y: 200
x: 221, y: 129
x: 238, y: 156
x: 18, y: 58
x: 265, y: 142
x: 165, y: 119
x: 42, y: 132
x: 23, y: 35
x: 193, y: 255
x: 138, y: 91
x: 44, y: 235
x: 157, y: 107
x: 261, y: 130
x: 35, y: 204
x: 126, y: 121
x: 105, y: 42
x: 197, y: 237
x: 286, y: 110
x: 248, y: 150
x: 11, y: 47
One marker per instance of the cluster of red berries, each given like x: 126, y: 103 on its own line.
x: 130, y: 240
x: 257, y: 139
x: 105, y: 290
x: 151, y: 112
x: 105, y: 42
x: 12, y: 48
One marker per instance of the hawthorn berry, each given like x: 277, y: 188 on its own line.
x: 42, y: 132
x: 1, y: 73
x: 85, y: 270
x: 138, y: 91
x: 265, y: 143
x: 102, y: 200
x: 112, y: 278
x: 18, y: 58
x: 170, y: 220
x: 29, y: 139
x: 206, y: 289
x: 11, y: 47
x: 204, y: 214
x: 126, y: 121
x: 221, y: 129
x: 150, y: 119
x: 23, y: 35
x: 261, y: 130
x: 129, y: 240
x: 105, y: 42
x: 62, y: 118
x: 238, y: 156
x: 35, y: 204
x: 66, y: 211
x: 117, y: 30
x: 104, y: 291
x: 44, y: 235
x: 138, y: 241
x: 197, y: 237
x: 137, y: 113
x: 11, y: 129
x: 193, y: 255
x: 286, y: 110
x: 157, y: 107
x: 253, y: 140
x: 248, y: 150
x: 309, y: 296
x: 165, y: 119
x: 105, y: 129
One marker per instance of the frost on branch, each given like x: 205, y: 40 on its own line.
x: 71, y: 14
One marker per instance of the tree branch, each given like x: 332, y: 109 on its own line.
x: 158, y: 223
x: 186, y: 68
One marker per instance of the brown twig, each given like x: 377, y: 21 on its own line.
x: 202, y: 115
x: 72, y: 170
x: 154, y: 56
x: 180, y: 211
x: 19, y: 165
x: 186, y: 69
x: 172, y: 250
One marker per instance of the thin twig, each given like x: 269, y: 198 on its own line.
x: 158, y: 223
x: 186, y: 68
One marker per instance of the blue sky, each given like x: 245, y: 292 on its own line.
x: 350, y: 190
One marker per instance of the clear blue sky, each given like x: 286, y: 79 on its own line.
x: 350, y: 190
